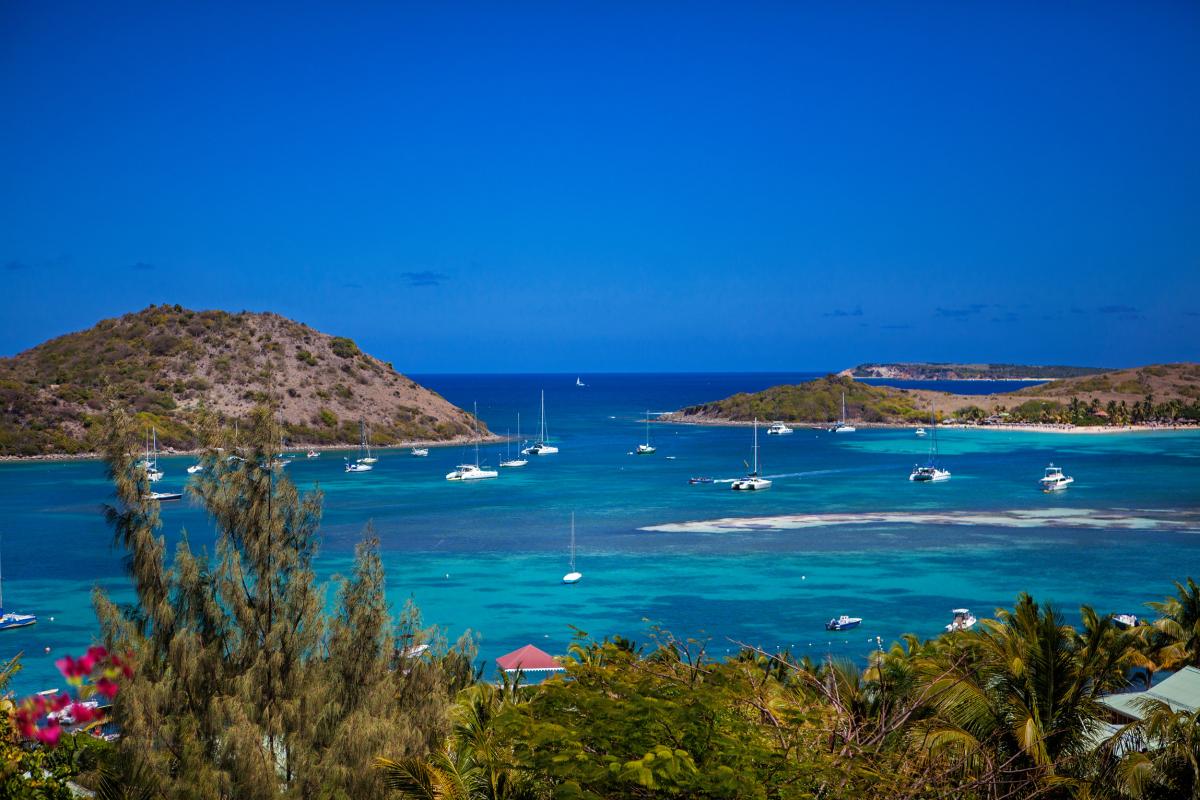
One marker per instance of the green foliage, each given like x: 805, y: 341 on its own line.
x: 306, y: 357
x: 815, y: 401
x: 343, y: 347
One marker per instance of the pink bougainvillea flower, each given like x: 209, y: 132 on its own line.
x: 97, y: 652
x: 107, y: 687
x: 26, y: 719
x: 50, y: 734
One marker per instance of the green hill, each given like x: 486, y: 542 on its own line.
x: 164, y: 362
x: 816, y: 401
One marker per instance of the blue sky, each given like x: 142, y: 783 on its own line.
x: 585, y: 186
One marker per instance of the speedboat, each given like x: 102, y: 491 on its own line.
x: 843, y: 623
x: 471, y: 472
x: 357, y: 466
x: 778, y: 429
x: 419, y: 452
x: 1054, y: 479
x: 963, y: 620
x: 701, y: 479
x: 194, y: 468
x: 163, y: 497
x: 9, y: 619
x: 1126, y: 620
x: 753, y: 481
x: 929, y: 474
x: 312, y: 454
x: 920, y: 432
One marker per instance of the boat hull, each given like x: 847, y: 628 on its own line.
x: 572, y: 577
x: 17, y: 621
x: 750, y: 485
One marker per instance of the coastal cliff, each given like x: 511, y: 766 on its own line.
x: 165, y: 362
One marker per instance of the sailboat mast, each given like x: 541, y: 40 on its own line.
x: 572, y: 541
x: 475, y: 425
x: 756, y: 446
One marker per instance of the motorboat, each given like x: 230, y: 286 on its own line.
x: 312, y: 454
x: 472, y: 472
x: 540, y: 448
x: 701, y: 479
x: 509, y: 462
x: 574, y: 575
x: 962, y: 620
x: 646, y: 449
x: 419, y: 452
x: 194, y: 468
x: 843, y: 623
x: 843, y: 426
x: 778, y: 429
x: 164, y: 497
x: 930, y: 472
x: 11, y: 619
x: 920, y: 432
x: 1054, y: 479
x: 1126, y: 620
x: 753, y: 481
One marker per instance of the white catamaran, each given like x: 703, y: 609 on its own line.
x: 540, y: 448
x: 930, y: 472
x: 646, y: 449
x: 753, y: 481
x: 472, y: 472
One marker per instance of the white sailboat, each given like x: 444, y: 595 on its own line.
x: 646, y: 449
x: 579, y: 382
x: 930, y: 472
x: 472, y: 472
x: 365, y: 445
x: 360, y: 464
x: 573, y: 576
x: 515, y: 462
x: 150, y: 462
x: 843, y: 426
x: 752, y: 482
x: 540, y: 448
x: 10, y: 619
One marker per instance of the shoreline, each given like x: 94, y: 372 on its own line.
x: 320, y: 448
x: 1010, y: 427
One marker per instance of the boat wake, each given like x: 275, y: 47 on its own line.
x: 1091, y: 518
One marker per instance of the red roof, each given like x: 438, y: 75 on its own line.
x: 527, y: 659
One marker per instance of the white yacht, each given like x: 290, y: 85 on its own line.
x: 510, y: 462
x: 472, y: 472
x: 1054, y: 480
x: 930, y: 472
x: 10, y: 619
x: 778, y: 429
x: 962, y: 620
x: 753, y: 481
x: 164, y: 497
x: 540, y: 448
x: 419, y: 452
x: 646, y: 449
x: 843, y: 426
x: 574, y: 575
x: 194, y: 468
x: 364, y: 445
x: 355, y: 466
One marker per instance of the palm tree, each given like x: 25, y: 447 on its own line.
x: 1016, y: 699
x: 1167, y: 762
x: 1174, y: 638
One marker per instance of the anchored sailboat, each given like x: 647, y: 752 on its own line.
x: 573, y: 576
x: 646, y: 449
x: 843, y: 426
x: 472, y: 472
x: 752, y: 481
x: 931, y: 472
x: 515, y: 462
x: 540, y: 448
x: 365, y: 445
x: 150, y: 462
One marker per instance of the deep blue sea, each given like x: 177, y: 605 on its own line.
x: 841, y: 531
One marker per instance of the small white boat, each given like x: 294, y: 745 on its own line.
x: 472, y: 472
x: 920, y: 432
x: 962, y: 620
x: 540, y: 448
x: 843, y: 623
x: 509, y: 462
x: 843, y: 426
x: 11, y: 619
x: 194, y: 468
x: 355, y: 466
x: 1054, y: 480
x: 579, y: 382
x: 364, y: 445
x: 753, y: 482
x: 646, y: 449
x: 573, y: 576
x: 1126, y: 620
x: 312, y: 454
x: 778, y: 429
x: 164, y: 497
x: 419, y: 452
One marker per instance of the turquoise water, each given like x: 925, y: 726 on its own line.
x: 489, y: 556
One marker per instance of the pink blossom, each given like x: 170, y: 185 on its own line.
x: 82, y: 713
x: 107, y: 688
x: 50, y: 734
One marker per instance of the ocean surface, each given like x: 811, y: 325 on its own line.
x: 841, y: 531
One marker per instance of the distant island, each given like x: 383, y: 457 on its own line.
x: 920, y: 371
x: 1150, y: 396
x: 166, y: 361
